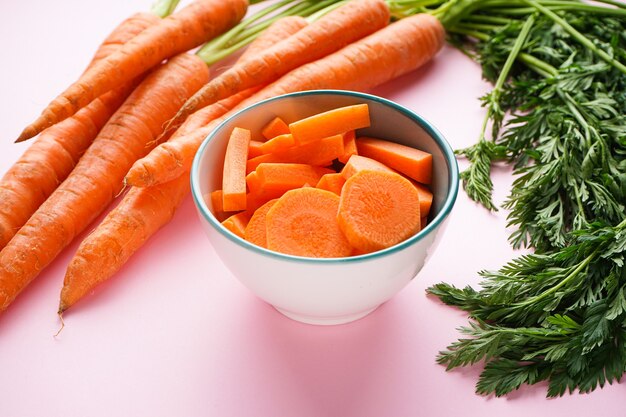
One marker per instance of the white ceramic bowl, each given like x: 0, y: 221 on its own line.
x: 327, y: 291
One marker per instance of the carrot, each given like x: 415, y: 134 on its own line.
x: 275, y: 179
x: 303, y: 222
x: 412, y: 162
x: 277, y: 143
x: 124, y: 230
x: 253, y: 163
x: 332, y: 122
x: 217, y: 199
x: 426, y: 199
x: 254, y: 182
x: 389, y: 53
x: 275, y: 127
x: 254, y: 149
x: 331, y: 182
x: 237, y: 223
x: 358, y: 163
x: 50, y: 159
x: 234, y: 173
x: 97, y: 178
x: 333, y: 31
x: 256, y: 229
x: 276, y: 32
x: 349, y: 146
x: 377, y: 210
x: 179, y: 32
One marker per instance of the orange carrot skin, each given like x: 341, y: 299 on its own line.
x: 332, y: 122
x: 276, y: 32
x: 333, y: 31
x: 50, y: 159
x: 140, y: 214
x: 389, y: 53
x: 97, y: 178
x: 177, y: 33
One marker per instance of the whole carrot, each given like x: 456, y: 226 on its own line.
x: 393, y: 51
x: 98, y: 177
x: 50, y: 159
x: 184, y: 30
x: 338, y: 28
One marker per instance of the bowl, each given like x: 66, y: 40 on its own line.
x: 327, y: 290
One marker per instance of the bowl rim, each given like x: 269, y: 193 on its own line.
x: 442, y: 143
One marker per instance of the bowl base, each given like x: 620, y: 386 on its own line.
x: 325, y: 321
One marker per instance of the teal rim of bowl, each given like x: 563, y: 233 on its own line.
x: 453, y: 179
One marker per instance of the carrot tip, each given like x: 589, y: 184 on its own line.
x: 25, y: 135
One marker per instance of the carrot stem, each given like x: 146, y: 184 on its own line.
x: 164, y: 8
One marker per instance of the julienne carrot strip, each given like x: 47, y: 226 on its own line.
x: 256, y: 230
x: 97, y: 178
x: 234, y: 173
x: 303, y: 223
x: 369, y: 225
x: 275, y: 127
x: 349, y: 146
x: 177, y: 33
x: 395, y: 50
x: 333, y: 31
x: 329, y: 123
x: 412, y: 162
x: 50, y: 159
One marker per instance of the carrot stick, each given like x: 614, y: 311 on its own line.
x: 331, y: 182
x: 256, y: 229
x: 254, y: 149
x: 50, y: 159
x: 377, y: 210
x: 412, y: 162
x: 234, y: 173
x: 274, y: 128
x: 303, y: 222
x: 349, y: 146
x: 277, y: 143
x: 275, y: 179
x: 338, y: 28
x: 179, y: 32
x: 217, y: 201
x: 332, y: 122
x: 389, y: 53
x: 97, y: 178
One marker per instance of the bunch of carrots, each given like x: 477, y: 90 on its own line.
x: 135, y: 118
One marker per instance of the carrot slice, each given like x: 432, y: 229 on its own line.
x: 275, y: 127
x: 358, y: 163
x: 426, y: 198
x: 331, y: 182
x: 329, y: 123
x: 254, y: 149
x: 256, y: 229
x: 277, y: 178
x: 349, y: 146
x: 237, y: 223
x: 412, y: 162
x: 277, y: 143
x: 234, y: 177
x: 378, y: 209
x: 303, y: 222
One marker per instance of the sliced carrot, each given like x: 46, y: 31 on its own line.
x: 378, y: 209
x: 278, y: 143
x: 256, y: 229
x: 358, y: 163
x: 329, y: 123
x: 320, y: 153
x: 412, y: 162
x: 277, y: 178
x: 349, y: 146
x: 253, y: 182
x: 426, y: 198
x: 331, y: 182
x: 303, y: 222
x: 253, y: 163
x: 237, y: 223
x: 234, y: 177
x: 254, y: 149
x: 275, y: 127
x: 216, y: 201
x: 423, y: 222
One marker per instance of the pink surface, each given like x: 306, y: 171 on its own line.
x: 175, y: 334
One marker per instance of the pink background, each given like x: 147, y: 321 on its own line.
x: 175, y: 334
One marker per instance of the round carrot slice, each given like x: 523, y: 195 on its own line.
x: 256, y: 228
x: 303, y: 222
x: 377, y: 210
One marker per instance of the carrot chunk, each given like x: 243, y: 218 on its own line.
x: 303, y: 222
x: 329, y: 123
x: 256, y: 229
x: 378, y: 209
x: 412, y: 162
x: 254, y: 149
x: 234, y: 177
x: 331, y: 182
x: 275, y: 127
x: 216, y: 201
x: 358, y: 163
x: 426, y: 198
x: 277, y: 178
x: 237, y: 223
x: 349, y: 146
x: 277, y: 143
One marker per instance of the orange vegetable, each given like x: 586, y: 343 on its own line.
x: 320, y: 153
x: 177, y: 33
x: 217, y: 201
x: 279, y: 30
x: 50, y: 159
x: 412, y: 162
x: 303, y: 222
x: 237, y: 223
x: 333, y: 31
x: 358, y: 163
x: 274, y: 128
x: 253, y: 163
x: 426, y: 198
x: 329, y: 123
x: 331, y: 182
x: 234, y: 174
x: 256, y: 231
x: 349, y: 146
x: 277, y: 143
x: 254, y: 149
x: 277, y: 178
x: 377, y: 210
x: 97, y: 178
x: 389, y: 53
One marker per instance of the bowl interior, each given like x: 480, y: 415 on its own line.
x: 388, y: 121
